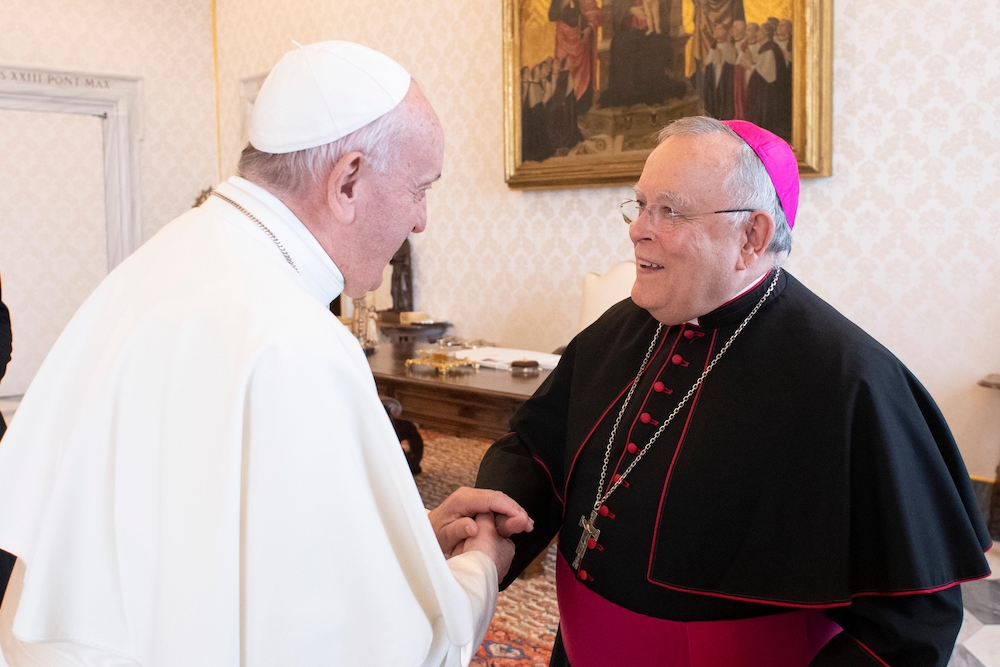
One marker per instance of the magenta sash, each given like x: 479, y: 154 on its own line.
x: 598, y: 633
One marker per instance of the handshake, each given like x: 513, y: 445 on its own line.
x: 480, y: 520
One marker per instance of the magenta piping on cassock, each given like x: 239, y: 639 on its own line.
x: 569, y: 473
x: 552, y: 480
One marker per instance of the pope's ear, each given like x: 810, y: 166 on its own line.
x: 758, y: 231
x: 342, y: 187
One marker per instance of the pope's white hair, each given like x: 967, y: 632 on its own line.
x: 748, y: 184
x: 295, y: 173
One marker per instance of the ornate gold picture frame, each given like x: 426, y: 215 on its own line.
x: 588, y: 83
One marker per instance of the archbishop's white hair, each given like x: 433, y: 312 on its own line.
x: 748, y: 184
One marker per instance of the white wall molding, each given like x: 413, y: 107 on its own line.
x: 249, y: 89
x: 115, y: 100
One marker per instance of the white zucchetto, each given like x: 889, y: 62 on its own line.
x: 319, y: 93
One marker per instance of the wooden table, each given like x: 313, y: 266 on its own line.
x: 464, y: 402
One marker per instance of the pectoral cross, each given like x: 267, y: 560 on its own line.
x: 589, y: 532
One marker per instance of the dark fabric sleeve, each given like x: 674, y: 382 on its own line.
x: 527, y: 464
x: 509, y: 467
x: 905, y: 630
x: 6, y: 559
x: 5, y: 337
x: 6, y: 567
x: 915, y: 525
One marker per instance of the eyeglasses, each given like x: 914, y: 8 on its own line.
x: 632, y: 209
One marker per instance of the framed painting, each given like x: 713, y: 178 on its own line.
x: 589, y: 83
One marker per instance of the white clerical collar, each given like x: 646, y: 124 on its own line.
x: 322, y: 277
x: 751, y: 286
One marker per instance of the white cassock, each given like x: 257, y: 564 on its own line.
x: 202, y: 474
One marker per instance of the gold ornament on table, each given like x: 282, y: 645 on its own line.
x: 442, y: 361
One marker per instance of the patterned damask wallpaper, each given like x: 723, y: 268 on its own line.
x: 50, y: 262
x: 52, y: 227
x: 904, y: 238
x: 166, y: 43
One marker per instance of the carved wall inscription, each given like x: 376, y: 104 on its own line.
x: 56, y: 79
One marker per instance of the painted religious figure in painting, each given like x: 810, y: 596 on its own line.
x: 601, y: 77
x: 743, y: 69
x: 556, y: 91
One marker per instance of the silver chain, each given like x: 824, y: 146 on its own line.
x: 600, y: 500
x: 260, y: 224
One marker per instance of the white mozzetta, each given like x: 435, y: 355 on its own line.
x: 202, y: 473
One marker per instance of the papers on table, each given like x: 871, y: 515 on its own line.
x: 501, y: 357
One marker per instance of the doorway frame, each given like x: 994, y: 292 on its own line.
x: 115, y: 100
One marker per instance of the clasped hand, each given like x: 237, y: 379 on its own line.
x: 480, y: 520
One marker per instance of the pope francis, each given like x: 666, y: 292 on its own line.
x: 202, y: 473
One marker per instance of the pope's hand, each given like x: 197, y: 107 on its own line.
x: 453, y: 520
x: 500, y: 549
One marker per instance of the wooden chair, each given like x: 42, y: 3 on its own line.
x: 601, y: 291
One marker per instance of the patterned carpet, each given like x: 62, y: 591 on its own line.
x: 524, y: 627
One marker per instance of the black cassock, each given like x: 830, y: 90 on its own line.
x: 811, y: 480
x: 5, y: 349
x: 6, y: 559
